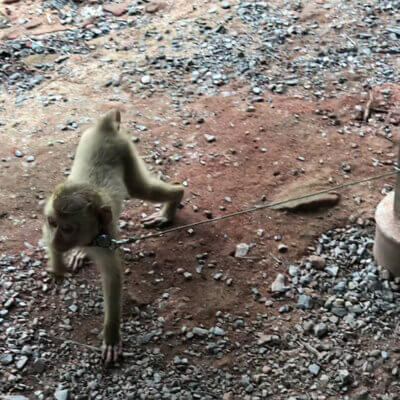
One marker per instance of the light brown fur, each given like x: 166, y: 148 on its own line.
x: 106, y: 168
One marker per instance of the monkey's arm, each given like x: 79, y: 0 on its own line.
x: 109, y: 265
x: 142, y: 185
x: 55, y: 263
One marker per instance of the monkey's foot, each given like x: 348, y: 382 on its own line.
x: 111, y: 352
x: 57, y: 273
x: 77, y: 260
x: 156, y: 220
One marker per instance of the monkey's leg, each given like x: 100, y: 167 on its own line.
x: 171, y: 195
x: 142, y: 185
x: 77, y: 259
x: 108, y: 264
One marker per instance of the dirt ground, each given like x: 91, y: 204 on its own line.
x: 256, y: 156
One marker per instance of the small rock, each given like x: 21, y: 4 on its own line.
x: 217, y: 331
x: 305, y: 302
x: 363, y: 394
x: 39, y: 365
x: 241, y: 250
x: 218, y: 276
x: 22, y: 362
x: 145, y: 79
x: 116, y: 9
x: 317, y: 262
x: 62, y: 394
x: 314, y: 369
x: 187, y: 275
x: 333, y: 270
x: 320, y: 330
x: 6, y: 359
x: 278, y: 286
x: 153, y: 7
x: 344, y: 376
x: 200, y: 331
x: 346, y: 167
x: 209, y: 138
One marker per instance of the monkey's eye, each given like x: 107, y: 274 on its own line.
x: 52, y: 222
x: 67, y: 228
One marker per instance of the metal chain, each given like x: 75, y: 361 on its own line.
x: 107, y: 241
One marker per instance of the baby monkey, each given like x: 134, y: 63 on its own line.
x: 106, y: 168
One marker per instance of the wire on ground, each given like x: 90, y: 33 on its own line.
x: 256, y: 208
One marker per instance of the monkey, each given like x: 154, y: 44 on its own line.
x: 106, y: 168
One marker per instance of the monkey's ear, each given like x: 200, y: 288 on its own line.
x: 112, y: 120
x: 105, y: 217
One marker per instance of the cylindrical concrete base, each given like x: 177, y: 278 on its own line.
x: 387, y: 236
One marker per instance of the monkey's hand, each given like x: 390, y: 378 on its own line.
x: 77, y: 259
x: 111, y: 350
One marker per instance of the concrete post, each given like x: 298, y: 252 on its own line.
x: 387, y: 232
x: 396, y: 204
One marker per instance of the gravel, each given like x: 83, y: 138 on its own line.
x: 251, y: 41
x: 324, y: 352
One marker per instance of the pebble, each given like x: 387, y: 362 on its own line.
x: 314, y: 369
x: 332, y: 270
x: 39, y: 365
x: 200, y: 331
x: 317, y: 262
x: 209, y: 138
x: 241, y: 250
x: 6, y: 359
x: 305, y: 302
x: 278, y: 286
x: 320, y: 330
x: 145, y: 79
x: 62, y: 394
x: 22, y: 362
x: 187, y: 275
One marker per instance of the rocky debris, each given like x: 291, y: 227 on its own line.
x: 250, y: 42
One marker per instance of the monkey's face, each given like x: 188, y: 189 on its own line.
x: 76, y: 230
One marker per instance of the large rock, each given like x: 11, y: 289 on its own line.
x: 309, y: 204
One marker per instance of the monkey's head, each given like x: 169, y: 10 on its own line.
x: 75, y: 214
